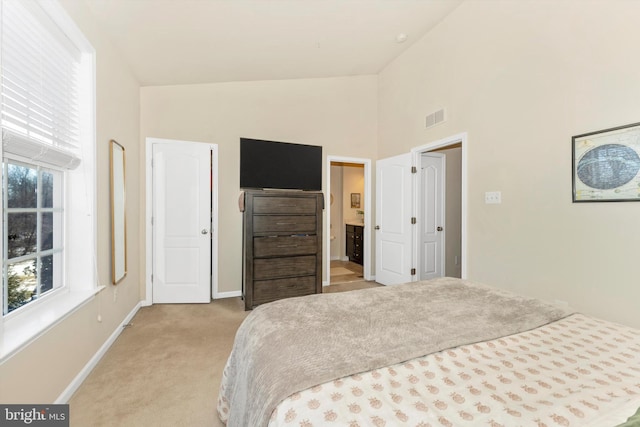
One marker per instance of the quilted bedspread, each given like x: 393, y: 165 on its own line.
x: 293, y: 344
x: 578, y: 371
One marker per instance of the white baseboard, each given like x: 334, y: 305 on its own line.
x: 84, y: 373
x: 230, y: 294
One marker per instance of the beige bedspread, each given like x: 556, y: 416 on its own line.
x: 578, y: 371
x: 293, y: 344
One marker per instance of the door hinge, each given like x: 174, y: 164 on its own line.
x: 413, y: 271
x: 414, y: 169
x: 413, y: 220
x: 152, y: 278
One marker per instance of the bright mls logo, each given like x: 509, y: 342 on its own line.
x: 34, y: 415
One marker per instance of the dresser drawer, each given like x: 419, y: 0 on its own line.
x: 271, y: 290
x: 289, y: 224
x: 284, y: 246
x: 284, y: 205
x: 273, y: 268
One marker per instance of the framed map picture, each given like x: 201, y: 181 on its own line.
x: 606, y: 165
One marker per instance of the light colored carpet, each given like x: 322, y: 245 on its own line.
x: 165, y: 369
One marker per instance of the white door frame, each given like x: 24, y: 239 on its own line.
x: 461, y: 139
x: 366, y: 256
x: 149, y: 211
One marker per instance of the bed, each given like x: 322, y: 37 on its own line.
x: 444, y: 352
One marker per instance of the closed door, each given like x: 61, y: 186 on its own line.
x: 181, y: 222
x: 393, y: 220
x: 432, y: 216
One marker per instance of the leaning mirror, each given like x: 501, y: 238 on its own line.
x: 118, y: 222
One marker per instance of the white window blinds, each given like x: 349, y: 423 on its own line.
x: 40, y: 69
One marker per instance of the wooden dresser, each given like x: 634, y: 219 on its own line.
x: 282, y: 245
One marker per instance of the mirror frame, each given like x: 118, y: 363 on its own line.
x: 118, y: 213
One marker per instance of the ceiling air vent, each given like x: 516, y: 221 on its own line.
x: 435, y: 118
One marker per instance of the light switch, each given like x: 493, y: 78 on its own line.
x: 493, y: 197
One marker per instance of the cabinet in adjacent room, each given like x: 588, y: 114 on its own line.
x: 282, y: 245
x: 354, y: 242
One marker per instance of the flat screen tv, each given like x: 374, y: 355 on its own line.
x: 280, y: 165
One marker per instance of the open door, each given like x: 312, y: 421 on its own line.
x: 182, y: 222
x: 393, y: 220
x: 403, y: 248
x: 432, y: 216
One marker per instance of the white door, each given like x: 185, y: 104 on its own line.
x: 431, y: 222
x: 393, y: 220
x: 181, y: 222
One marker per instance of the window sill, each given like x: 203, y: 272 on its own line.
x: 24, y: 328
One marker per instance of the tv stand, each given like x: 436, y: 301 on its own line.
x: 282, y: 245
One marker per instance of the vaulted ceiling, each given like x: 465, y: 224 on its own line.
x: 169, y: 42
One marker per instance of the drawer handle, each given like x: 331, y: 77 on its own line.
x: 287, y: 246
x: 286, y: 223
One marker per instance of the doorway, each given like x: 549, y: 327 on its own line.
x: 399, y: 195
x: 440, y: 242
x: 181, y: 221
x: 347, y: 230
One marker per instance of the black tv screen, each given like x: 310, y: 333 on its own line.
x: 280, y: 165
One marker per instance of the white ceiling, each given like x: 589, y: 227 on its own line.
x: 170, y: 42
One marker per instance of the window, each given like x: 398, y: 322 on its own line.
x: 33, y: 216
x: 48, y: 165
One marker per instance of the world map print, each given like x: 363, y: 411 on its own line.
x: 607, y: 165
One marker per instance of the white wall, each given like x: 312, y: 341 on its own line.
x: 521, y: 78
x: 43, y: 369
x: 336, y: 113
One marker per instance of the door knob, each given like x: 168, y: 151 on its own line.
x: 439, y: 228
x: 377, y: 227
x: 204, y: 231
